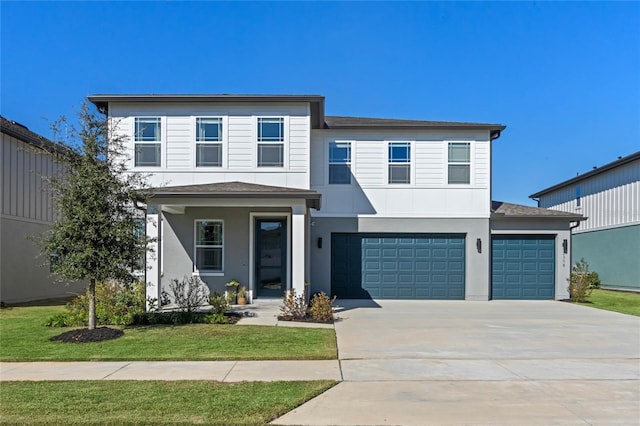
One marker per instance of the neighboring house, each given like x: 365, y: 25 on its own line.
x: 27, y: 210
x: 268, y: 190
x: 610, y: 240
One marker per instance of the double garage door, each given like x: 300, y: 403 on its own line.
x: 398, y: 266
x: 432, y: 266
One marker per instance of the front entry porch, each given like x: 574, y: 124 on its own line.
x: 255, y: 234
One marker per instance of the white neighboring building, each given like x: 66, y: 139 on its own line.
x: 610, y: 240
x: 268, y: 190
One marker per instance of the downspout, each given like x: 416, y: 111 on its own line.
x: 571, y: 228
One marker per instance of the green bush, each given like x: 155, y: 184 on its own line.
x: 216, y: 318
x: 219, y: 303
x: 116, y: 304
x: 169, y: 318
x: 321, y: 307
x: 582, y: 281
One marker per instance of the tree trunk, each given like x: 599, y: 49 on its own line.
x: 92, y: 305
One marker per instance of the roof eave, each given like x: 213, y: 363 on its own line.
x: 587, y: 175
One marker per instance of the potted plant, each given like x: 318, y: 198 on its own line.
x: 242, y: 296
x: 232, y: 291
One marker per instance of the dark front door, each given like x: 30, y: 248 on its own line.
x: 271, y: 257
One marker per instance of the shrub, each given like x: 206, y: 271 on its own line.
x: 189, y: 294
x: 321, y: 307
x: 169, y: 318
x: 116, y: 304
x: 219, y: 303
x: 216, y: 318
x: 293, y: 307
x: 582, y: 282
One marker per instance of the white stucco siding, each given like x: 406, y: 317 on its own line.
x: 609, y: 199
x: 427, y: 195
x: 239, y: 141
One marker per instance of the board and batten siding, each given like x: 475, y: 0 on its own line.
x: 609, y: 199
x: 239, y: 142
x: 428, y: 194
x: 25, y: 192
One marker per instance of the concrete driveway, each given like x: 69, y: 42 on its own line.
x: 481, y: 363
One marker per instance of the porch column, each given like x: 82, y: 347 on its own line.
x: 298, y: 246
x: 153, y: 256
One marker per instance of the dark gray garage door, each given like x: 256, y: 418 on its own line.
x: 397, y: 266
x: 523, y: 267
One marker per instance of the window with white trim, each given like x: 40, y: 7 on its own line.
x: 399, y: 162
x: 459, y: 163
x: 209, y: 246
x: 147, y: 141
x: 208, y: 142
x: 270, y: 142
x: 339, y: 163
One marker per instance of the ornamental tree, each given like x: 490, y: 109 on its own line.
x: 97, y: 235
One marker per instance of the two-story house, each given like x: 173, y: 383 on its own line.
x: 268, y: 190
x: 610, y: 240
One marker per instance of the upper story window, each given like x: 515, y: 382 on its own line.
x: 147, y: 141
x: 459, y: 162
x: 578, y: 196
x: 208, y: 142
x: 270, y: 142
x: 340, y: 163
x: 399, y: 162
x: 209, y: 245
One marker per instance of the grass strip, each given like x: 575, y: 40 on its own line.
x: 151, y: 402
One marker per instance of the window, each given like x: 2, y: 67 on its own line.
x: 147, y: 137
x: 459, y: 162
x: 340, y: 163
x: 208, y: 142
x: 270, y: 142
x: 208, y: 245
x: 578, y: 196
x: 399, y: 162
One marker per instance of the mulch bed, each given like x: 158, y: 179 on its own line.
x: 84, y: 335
x: 307, y: 318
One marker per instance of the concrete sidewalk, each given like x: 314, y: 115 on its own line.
x: 221, y: 371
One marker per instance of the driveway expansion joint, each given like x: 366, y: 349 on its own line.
x: 116, y: 370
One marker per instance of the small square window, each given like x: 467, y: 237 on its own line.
x: 147, y: 155
x: 270, y: 155
x: 208, y: 155
x: 148, y: 129
x: 208, y: 129
x: 270, y: 129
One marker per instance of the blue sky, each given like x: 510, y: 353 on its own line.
x: 564, y: 77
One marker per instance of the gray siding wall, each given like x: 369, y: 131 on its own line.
x: 477, y: 264
x: 178, y: 244
x: 26, y: 210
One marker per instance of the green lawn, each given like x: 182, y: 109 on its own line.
x: 24, y: 338
x: 151, y: 402
x: 625, y: 303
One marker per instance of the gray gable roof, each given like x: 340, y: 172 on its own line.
x: 21, y: 132
x: 596, y: 171
x: 500, y: 209
x: 237, y: 190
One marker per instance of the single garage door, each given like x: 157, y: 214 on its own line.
x: 397, y: 266
x: 523, y: 267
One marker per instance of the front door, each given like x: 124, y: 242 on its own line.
x: 271, y: 257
